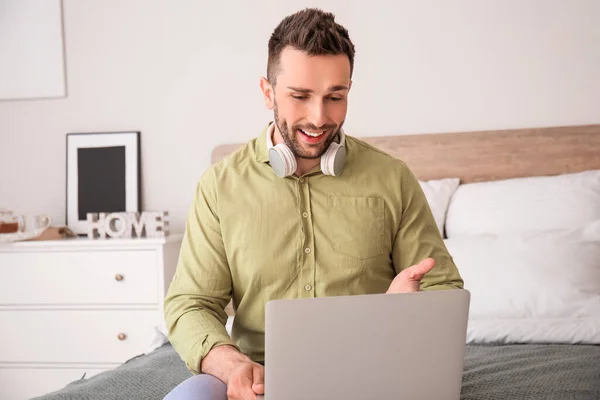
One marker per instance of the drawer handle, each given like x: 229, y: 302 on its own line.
x: 122, y: 336
x: 119, y: 277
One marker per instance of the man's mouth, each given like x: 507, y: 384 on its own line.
x: 312, y: 134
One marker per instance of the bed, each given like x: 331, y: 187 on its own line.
x: 520, y: 213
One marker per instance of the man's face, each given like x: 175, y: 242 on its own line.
x: 310, y: 100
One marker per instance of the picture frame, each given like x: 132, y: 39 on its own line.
x: 103, y: 175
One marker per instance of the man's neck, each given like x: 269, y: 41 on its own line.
x: 305, y: 165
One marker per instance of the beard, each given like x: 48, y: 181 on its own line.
x: 293, y: 142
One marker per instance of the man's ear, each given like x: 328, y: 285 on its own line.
x: 268, y: 93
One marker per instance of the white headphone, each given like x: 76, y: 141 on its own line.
x: 284, y: 164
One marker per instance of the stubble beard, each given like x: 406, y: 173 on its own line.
x: 290, y: 137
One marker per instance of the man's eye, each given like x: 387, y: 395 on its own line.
x: 299, y: 97
x: 335, y: 98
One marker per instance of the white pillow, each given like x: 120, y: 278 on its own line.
x: 438, y: 194
x: 525, y: 204
x: 537, y: 287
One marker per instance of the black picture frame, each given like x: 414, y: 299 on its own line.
x: 103, y: 175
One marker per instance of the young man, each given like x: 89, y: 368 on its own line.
x: 327, y: 215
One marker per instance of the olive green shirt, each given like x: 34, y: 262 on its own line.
x: 252, y: 236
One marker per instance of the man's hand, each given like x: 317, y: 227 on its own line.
x: 244, y: 378
x: 246, y: 381
x: 409, y: 280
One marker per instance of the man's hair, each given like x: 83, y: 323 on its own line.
x: 313, y: 31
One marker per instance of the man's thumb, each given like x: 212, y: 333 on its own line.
x: 423, y: 267
x: 258, y: 380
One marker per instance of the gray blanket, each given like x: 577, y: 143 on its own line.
x: 532, y: 372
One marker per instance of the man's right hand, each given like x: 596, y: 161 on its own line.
x: 246, y: 381
x: 244, y: 378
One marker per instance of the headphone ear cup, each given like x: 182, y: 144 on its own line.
x: 333, y: 160
x: 328, y: 155
x: 282, y: 160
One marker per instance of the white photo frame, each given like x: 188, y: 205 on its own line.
x: 32, y: 51
x: 103, y: 175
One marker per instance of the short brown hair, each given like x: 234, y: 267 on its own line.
x: 312, y: 31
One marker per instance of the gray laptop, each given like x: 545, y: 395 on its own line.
x: 382, y: 346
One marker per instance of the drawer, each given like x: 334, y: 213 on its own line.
x: 76, y: 336
x: 25, y: 383
x: 94, y: 277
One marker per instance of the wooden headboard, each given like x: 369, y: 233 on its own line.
x: 488, y: 155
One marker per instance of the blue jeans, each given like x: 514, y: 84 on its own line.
x: 199, y: 387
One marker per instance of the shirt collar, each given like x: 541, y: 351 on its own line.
x: 260, y: 146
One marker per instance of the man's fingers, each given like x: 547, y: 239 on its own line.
x: 258, y: 385
x: 258, y: 388
x: 258, y: 374
x: 409, y: 280
x: 418, y: 271
x: 240, y: 388
x: 246, y: 393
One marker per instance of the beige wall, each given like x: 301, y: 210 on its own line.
x: 185, y: 73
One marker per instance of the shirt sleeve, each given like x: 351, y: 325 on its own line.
x: 418, y: 238
x: 201, y: 287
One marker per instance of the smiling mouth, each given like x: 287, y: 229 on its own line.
x: 312, y: 134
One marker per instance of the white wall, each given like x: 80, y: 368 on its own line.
x: 185, y: 73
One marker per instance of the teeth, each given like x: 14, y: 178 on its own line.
x: 313, y: 134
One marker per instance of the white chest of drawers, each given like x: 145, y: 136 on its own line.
x: 78, y: 306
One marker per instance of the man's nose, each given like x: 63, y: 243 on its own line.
x: 317, y: 115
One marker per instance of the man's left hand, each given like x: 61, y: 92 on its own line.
x: 409, y: 280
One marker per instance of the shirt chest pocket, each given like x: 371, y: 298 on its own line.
x: 356, y: 225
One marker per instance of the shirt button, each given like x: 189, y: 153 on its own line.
x: 301, y: 180
x: 305, y: 214
x: 308, y: 288
x: 307, y: 250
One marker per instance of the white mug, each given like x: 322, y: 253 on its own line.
x: 29, y: 223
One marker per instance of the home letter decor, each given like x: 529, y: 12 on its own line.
x: 128, y: 224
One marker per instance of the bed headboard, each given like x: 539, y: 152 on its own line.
x: 488, y: 155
